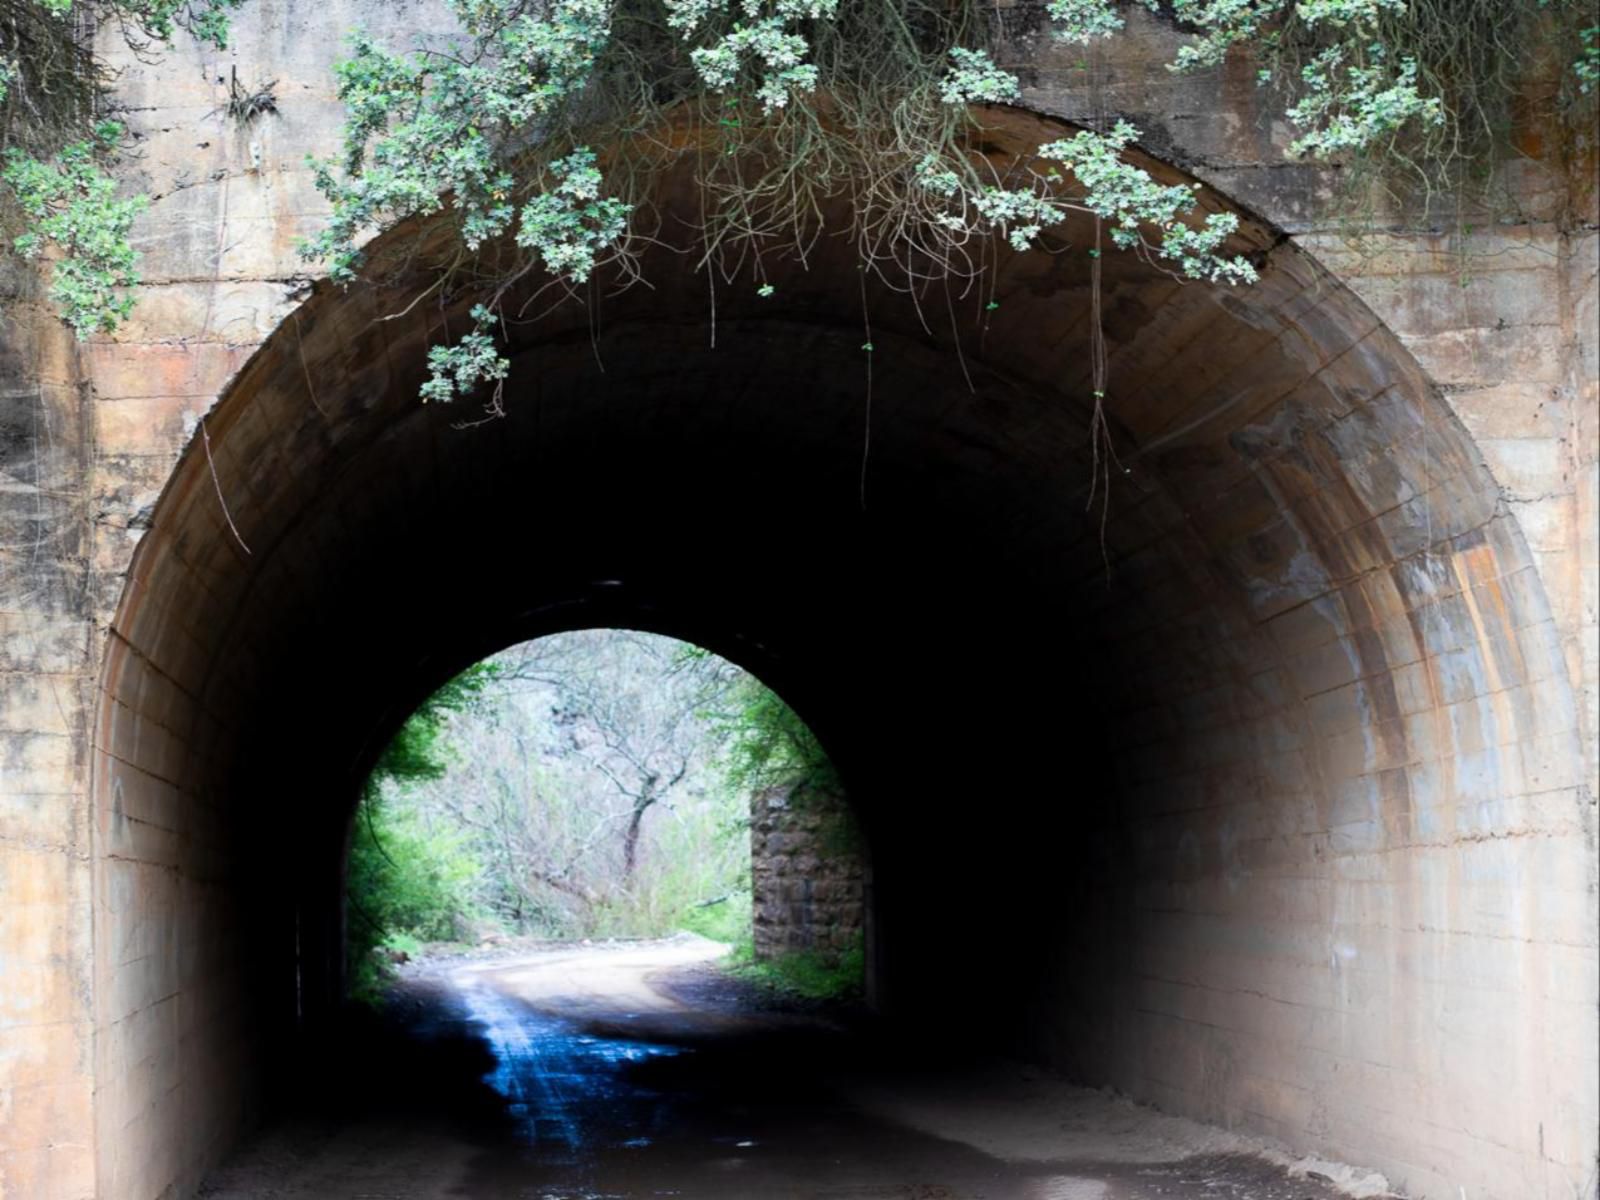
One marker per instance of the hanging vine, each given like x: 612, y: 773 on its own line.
x: 539, y: 129
x: 58, y: 198
x: 808, y: 103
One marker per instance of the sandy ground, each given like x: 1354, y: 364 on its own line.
x: 641, y: 1070
x: 609, y: 982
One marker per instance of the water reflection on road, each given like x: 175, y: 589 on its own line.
x: 632, y: 1072
x: 563, y: 1087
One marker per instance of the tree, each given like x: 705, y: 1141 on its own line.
x: 763, y: 743
x: 585, y: 786
x: 402, y: 878
x: 640, y: 739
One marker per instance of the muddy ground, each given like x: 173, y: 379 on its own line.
x: 643, y: 1070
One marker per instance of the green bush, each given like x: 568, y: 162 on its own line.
x: 727, y: 920
x: 405, y: 877
x: 806, y: 974
x: 407, y: 880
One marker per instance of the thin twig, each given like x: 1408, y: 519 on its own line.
x: 300, y: 344
x: 866, y: 435
x: 205, y: 437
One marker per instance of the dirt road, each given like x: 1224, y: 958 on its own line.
x: 620, y: 1073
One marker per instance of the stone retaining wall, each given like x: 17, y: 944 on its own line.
x: 806, y: 873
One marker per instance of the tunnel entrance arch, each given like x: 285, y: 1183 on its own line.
x: 1268, y: 782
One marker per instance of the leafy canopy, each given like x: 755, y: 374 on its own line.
x: 766, y: 744
x: 497, y: 132
x: 810, y: 100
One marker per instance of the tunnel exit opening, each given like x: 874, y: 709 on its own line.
x: 599, y: 785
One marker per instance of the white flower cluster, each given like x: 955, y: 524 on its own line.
x: 1353, y: 107
x: 1083, y: 21
x: 568, y: 225
x: 456, y: 370
x: 1132, y: 201
x: 777, y: 53
x: 974, y: 79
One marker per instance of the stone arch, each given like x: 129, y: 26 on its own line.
x: 1265, y: 787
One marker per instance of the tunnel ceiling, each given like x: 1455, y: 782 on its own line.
x: 706, y: 459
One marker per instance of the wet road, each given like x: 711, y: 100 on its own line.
x: 624, y: 1073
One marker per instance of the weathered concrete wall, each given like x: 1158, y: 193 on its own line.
x: 806, y: 874
x: 47, y: 671
x: 1344, y: 893
x: 180, y: 1046
x: 1505, y: 322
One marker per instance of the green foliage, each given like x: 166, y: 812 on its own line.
x: 866, y: 99
x: 724, y: 920
x: 416, y: 752
x: 768, y: 53
x: 1421, y: 100
x: 1350, y: 105
x: 806, y: 974
x: 458, y: 369
x: 1586, y: 66
x: 696, y: 856
x: 1134, y: 204
x: 486, y: 809
x: 156, y: 20
x: 1417, y: 90
x: 447, y: 135
x: 406, y: 881
x: 72, y: 204
x: 766, y: 744
x: 159, y: 20
x: 59, y: 203
x: 1082, y: 21
x: 430, y: 131
x: 569, y: 224
x: 405, y: 876
x: 974, y: 79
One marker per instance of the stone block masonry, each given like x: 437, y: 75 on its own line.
x: 806, y: 874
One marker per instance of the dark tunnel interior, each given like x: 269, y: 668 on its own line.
x: 1105, y: 750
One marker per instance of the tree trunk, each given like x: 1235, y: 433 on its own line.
x: 630, y: 840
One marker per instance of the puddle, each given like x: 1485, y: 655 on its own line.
x: 563, y: 1088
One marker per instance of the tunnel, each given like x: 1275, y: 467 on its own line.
x: 1230, y: 761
